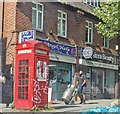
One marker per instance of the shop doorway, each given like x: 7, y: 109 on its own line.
x: 97, y: 83
x: 59, y: 78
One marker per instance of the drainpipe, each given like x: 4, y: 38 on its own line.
x: 118, y: 73
x: 77, y: 59
x: 1, y: 36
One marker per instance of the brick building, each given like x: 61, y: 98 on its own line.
x: 67, y: 26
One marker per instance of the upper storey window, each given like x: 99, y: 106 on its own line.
x: 94, y: 3
x: 37, y: 16
x: 62, y: 23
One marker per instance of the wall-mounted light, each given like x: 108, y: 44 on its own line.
x: 116, y: 47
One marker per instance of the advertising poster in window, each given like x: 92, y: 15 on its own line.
x: 41, y: 71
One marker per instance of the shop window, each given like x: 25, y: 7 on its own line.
x: 23, y: 79
x: 62, y: 76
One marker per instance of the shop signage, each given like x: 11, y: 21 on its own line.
x: 91, y: 54
x: 87, y: 52
x: 102, y: 56
x: 26, y: 36
x: 60, y: 48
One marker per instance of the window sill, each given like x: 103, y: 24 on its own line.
x: 38, y: 30
x: 60, y: 36
x: 88, y: 43
x: 108, y: 48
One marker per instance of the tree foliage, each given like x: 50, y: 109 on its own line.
x: 108, y: 13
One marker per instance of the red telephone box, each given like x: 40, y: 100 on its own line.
x: 31, y: 75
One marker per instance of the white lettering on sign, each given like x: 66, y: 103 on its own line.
x: 24, y: 51
x: 102, y: 57
x: 40, y: 51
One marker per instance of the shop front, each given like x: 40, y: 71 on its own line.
x: 100, y: 69
x: 61, y: 67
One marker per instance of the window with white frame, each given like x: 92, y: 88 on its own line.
x: 89, y: 32
x: 62, y: 23
x: 106, y: 42
x: 37, y: 16
x: 94, y: 3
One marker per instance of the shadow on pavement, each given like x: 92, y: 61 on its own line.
x: 92, y: 103
x: 66, y: 106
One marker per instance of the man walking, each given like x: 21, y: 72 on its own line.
x: 81, y: 83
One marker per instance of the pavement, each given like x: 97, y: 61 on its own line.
x: 60, y: 106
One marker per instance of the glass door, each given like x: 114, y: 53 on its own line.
x: 97, y: 83
x: 63, y: 79
x: 53, y: 80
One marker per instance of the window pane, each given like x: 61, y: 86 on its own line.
x: 59, y: 14
x: 19, y: 82
x: 86, y: 35
x: 34, y: 18
x: 64, y: 16
x: 33, y: 5
x: 26, y: 82
x: 63, y: 29
x: 90, y: 35
x: 26, y: 89
x: 59, y: 26
x: 88, y: 1
x: 19, y: 89
x: 90, y: 25
x: 39, y: 20
x: 19, y: 96
x: 27, y: 75
x: 92, y: 3
x: 86, y: 24
x: 40, y: 7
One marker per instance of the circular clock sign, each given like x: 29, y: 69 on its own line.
x: 87, y: 52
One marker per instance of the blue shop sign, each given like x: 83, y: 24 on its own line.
x: 27, y: 35
x: 60, y: 48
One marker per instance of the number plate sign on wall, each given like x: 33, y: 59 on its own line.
x: 27, y: 35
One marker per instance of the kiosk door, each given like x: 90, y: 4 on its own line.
x: 22, y: 89
x: 40, y: 97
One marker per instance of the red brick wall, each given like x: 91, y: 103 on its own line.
x: 24, y: 16
x: 1, y: 17
x: 18, y: 17
x: 9, y: 27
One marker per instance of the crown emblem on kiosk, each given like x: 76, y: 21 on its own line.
x: 24, y: 45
